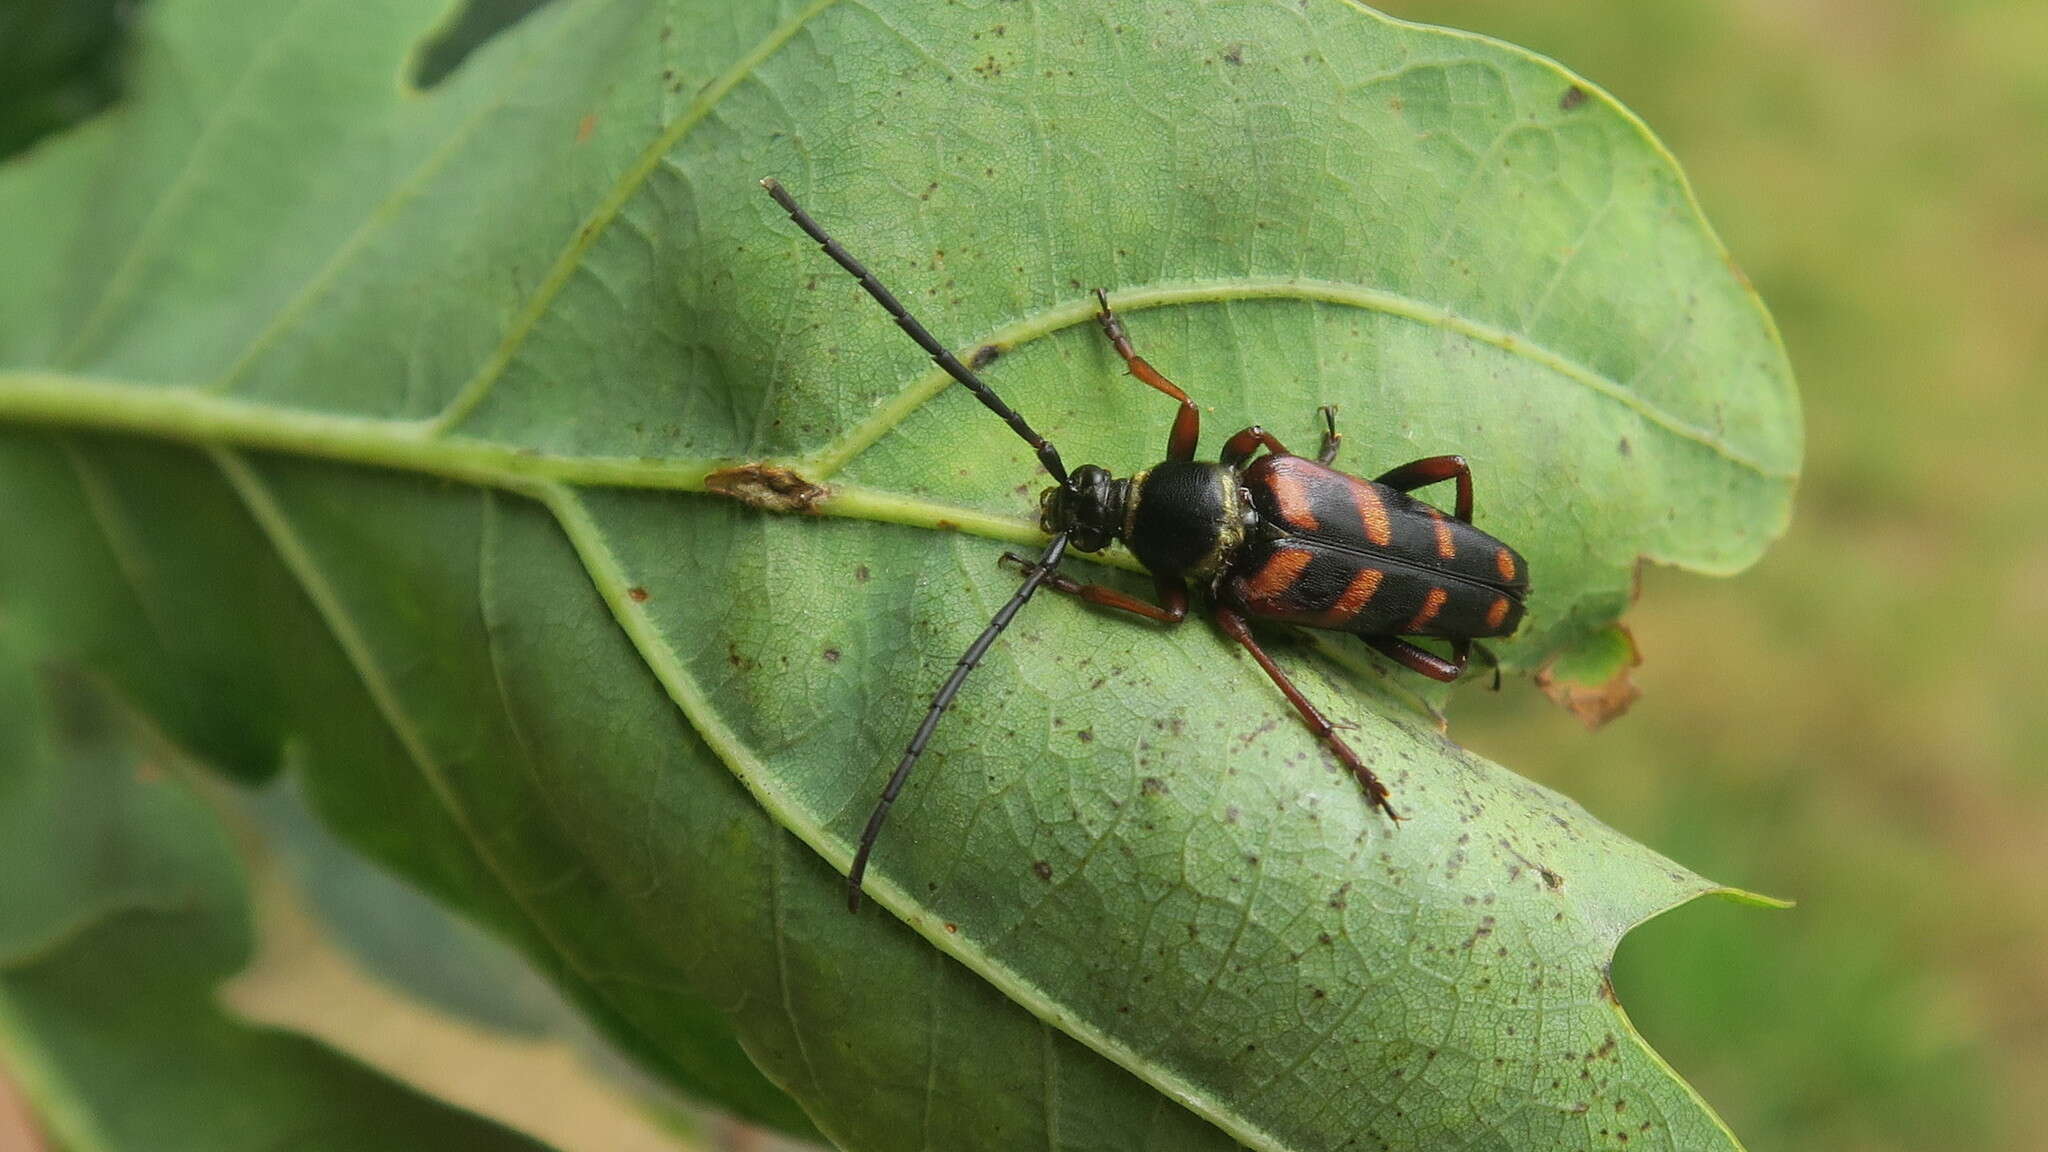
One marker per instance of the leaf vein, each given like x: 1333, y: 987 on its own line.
x: 930, y: 383
x: 472, y: 394
x: 778, y: 930
x: 104, y: 508
x: 272, y: 521
x: 387, y: 209
x: 121, y: 281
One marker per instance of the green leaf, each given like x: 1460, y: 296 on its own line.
x: 59, y: 63
x: 359, y: 959
x: 394, y: 432
x: 123, y: 909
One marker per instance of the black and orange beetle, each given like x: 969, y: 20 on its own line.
x: 1280, y: 537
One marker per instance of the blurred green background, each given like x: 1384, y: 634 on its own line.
x: 1852, y: 723
x: 1855, y: 723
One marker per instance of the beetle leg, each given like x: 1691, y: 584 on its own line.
x: 1420, y: 659
x: 1332, y: 439
x: 1234, y: 626
x: 1187, y: 423
x: 1239, y: 448
x: 1431, y: 470
x: 1173, y: 595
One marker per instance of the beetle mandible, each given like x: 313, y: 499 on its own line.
x: 1275, y: 537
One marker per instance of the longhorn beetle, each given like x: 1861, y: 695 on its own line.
x: 1280, y: 537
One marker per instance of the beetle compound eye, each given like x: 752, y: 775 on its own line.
x: 1051, y: 510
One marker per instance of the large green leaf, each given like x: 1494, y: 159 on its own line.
x: 394, y: 431
x: 59, y: 63
x: 123, y: 907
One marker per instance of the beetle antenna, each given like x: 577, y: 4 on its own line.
x: 1054, y: 552
x: 1047, y: 454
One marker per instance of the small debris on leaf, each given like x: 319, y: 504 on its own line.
x: 768, y: 487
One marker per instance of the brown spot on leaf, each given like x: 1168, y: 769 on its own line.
x: 637, y: 594
x: 585, y: 127
x: 767, y: 487
x: 734, y: 657
x: 983, y: 356
x: 1594, y: 704
x: 1041, y: 869
x: 1234, y: 54
x: 832, y: 655
x: 1572, y: 98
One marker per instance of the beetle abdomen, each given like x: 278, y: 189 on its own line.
x: 1307, y: 581
x: 1299, y: 497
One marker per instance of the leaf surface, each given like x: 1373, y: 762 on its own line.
x: 124, y: 908
x: 388, y: 430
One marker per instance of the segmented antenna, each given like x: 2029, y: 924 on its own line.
x: 1047, y: 454
x: 1054, y: 552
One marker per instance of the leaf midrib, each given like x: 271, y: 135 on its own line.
x: 199, y: 415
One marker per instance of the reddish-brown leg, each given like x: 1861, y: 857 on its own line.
x: 1173, y: 595
x: 1234, y: 626
x: 1239, y: 448
x: 1187, y: 423
x: 1332, y: 439
x: 1432, y: 470
x: 1422, y: 660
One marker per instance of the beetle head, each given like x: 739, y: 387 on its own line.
x: 1089, y: 507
